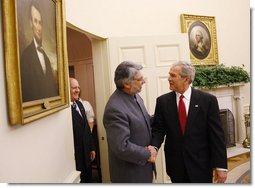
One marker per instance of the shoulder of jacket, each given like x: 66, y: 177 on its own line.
x: 166, y: 95
x: 203, y: 93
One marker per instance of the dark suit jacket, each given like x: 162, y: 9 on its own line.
x: 83, y: 140
x: 36, y: 84
x: 201, y: 148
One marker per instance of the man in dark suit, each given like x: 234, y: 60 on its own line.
x: 84, y: 147
x: 37, y: 77
x: 127, y: 124
x: 194, y: 143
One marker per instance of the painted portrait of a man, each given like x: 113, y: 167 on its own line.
x: 37, y: 49
x: 200, y: 40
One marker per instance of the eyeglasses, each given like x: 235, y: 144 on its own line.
x: 140, y: 79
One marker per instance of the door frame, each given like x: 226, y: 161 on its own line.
x: 102, y: 93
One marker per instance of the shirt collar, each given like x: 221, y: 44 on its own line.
x: 36, y: 44
x: 72, y: 102
x: 186, y: 94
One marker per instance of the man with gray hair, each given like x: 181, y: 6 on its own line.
x: 128, y: 127
x: 190, y: 121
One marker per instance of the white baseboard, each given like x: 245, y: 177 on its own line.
x: 73, y: 177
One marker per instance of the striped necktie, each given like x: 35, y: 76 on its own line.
x: 75, y: 107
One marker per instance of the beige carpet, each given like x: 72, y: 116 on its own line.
x: 239, y: 169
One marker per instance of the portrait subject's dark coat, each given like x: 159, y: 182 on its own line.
x: 35, y: 84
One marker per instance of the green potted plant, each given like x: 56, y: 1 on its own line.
x: 208, y: 77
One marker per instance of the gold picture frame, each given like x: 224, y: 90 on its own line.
x: 28, y: 102
x: 202, y: 38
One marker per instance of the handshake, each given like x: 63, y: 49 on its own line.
x: 153, y: 152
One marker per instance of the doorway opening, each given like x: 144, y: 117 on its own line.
x: 80, y: 64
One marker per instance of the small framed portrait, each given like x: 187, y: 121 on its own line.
x: 35, y: 58
x: 202, y: 38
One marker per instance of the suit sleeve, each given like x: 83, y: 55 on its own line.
x: 216, y: 136
x: 158, y: 128
x: 118, y: 137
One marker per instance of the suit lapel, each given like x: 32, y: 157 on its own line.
x: 173, y: 112
x: 77, y: 115
x: 82, y: 110
x: 142, y: 107
x: 193, y: 108
x: 37, y: 64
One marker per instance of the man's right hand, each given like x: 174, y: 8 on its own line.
x: 153, y: 152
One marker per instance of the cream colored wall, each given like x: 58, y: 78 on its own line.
x: 122, y: 18
x: 42, y: 151
x: 113, y: 18
x: 39, y: 152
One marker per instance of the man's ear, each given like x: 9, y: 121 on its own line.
x: 127, y: 85
x: 188, y: 79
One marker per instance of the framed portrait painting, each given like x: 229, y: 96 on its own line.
x: 202, y: 38
x: 35, y: 58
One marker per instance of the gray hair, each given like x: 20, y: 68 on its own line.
x: 125, y: 73
x: 200, y: 33
x: 188, y: 70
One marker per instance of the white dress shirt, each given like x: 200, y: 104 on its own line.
x: 186, y: 99
x: 89, y: 110
x: 41, y: 57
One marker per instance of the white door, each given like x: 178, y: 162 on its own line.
x: 156, y: 54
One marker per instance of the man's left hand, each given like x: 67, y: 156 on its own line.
x: 220, y: 176
x: 92, y: 155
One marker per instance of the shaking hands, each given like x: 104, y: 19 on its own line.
x: 153, y: 152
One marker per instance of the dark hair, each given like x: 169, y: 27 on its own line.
x: 35, y: 4
x: 125, y: 73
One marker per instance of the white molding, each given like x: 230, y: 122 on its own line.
x: 237, y: 150
x: 232, y: 97
x: 73, y: 177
